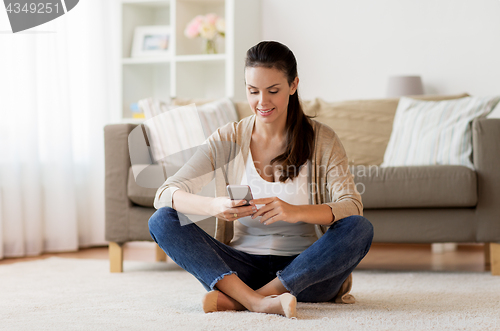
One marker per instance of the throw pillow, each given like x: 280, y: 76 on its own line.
x: 429, y: 132
x: 243, y: 108
x: 177, y: 130
x: 216, y: 114
x: 364, y: 126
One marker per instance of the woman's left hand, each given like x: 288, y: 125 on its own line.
x: 275, y: 210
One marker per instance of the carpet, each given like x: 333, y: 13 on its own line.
x: 80, y: 294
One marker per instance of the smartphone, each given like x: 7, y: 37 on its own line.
x: 240, y: 192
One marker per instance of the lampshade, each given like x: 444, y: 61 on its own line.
x: 398, y: 86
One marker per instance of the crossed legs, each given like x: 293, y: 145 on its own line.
x: 236, y: 295
x: 314, y: 275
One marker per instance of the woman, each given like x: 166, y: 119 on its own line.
x: 298, y: 172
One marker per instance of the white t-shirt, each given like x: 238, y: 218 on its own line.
x: 278, y: 238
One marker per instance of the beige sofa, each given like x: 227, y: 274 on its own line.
x: 420, y: 204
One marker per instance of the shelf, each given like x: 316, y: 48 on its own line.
x: 179, y: 58
x: 144, y: 81
x: 184, y: 71
x: 141, y: 13
x: 146, y: 60
x: 204, y: 1
x: 133, y: 120
x: 199, y: 79
x: 147, y: 3
x: 200, y: 58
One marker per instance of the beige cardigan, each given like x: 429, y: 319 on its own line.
x: 330, y: 181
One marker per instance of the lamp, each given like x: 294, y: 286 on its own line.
x: 398, y: 86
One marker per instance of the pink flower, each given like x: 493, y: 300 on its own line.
x: 208, y: 31
x: 211, y: 18
x: 193, y: 28
x: 208, y: 27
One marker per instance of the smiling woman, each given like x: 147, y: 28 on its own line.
x: 298, y: 172
x: 272, y: 92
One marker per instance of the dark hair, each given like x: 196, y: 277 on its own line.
x: 299, y: 131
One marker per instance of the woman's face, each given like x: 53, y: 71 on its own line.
x: 268, y: 92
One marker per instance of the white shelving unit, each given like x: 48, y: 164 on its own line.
x: 187, y: 72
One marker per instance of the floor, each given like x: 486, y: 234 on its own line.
x: 467, y: 257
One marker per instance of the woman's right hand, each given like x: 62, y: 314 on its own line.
x: 231, y: 210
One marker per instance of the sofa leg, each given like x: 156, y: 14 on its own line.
x: 495, y: 258
x: 115, y: 257
x: 160, y: 254
x: 487, y: 262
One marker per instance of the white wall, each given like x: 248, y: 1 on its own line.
x: 346, y: 49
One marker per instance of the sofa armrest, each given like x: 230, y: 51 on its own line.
x: 486, y: 157
x: 117, y: 165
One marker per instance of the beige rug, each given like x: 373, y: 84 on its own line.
x: 78, y: 294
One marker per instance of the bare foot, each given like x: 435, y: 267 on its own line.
x: 284, y: 304
x: 225, y: 302
x: 270, y: 305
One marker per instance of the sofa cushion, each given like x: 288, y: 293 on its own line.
x: 392, y: 187
x: 144, y: 196
x: 137, y: 193
x: 364, y: 126
x: 416, y: 186
x: 143, y: 188
x: 435, y: 132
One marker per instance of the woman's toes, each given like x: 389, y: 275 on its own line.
x: 289, y: 304
x: 284, y: 305
x: 271, y: 305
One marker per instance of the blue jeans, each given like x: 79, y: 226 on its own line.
x: 315, y: 275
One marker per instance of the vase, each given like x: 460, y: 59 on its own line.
x: 210, y: 47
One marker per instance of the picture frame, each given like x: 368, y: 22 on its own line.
x: 151, y: 40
